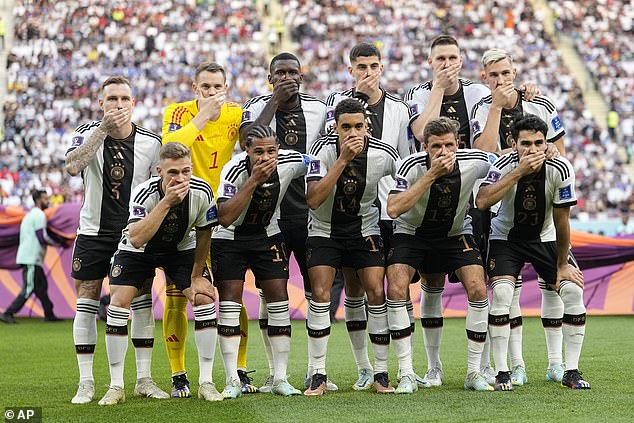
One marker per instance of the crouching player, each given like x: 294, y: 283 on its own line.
x: 532, y: 227
x: 162, y: 212
x: 252, y: 186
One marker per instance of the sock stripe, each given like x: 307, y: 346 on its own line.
x: 575, y: 319
x: 279, y: 331
x: 117, y: 314
x: 318, y: 333
x: 85, y: 349
x: 380, y: 338
x: 400, y: 333
x: 319, y: 307
x: 409, y: 305
x: 479, y: 304
x: 498, y: 320
x: 355, y: 325
x: 397, y: 303
x: 354, y: 302
x: 143, y: 342
x: 87, y: 309
x: 431, y: 322
x: 548, y: 322
x: 432, y: 289
x: 474, y: 336
x: 502, y: 281
x: 205, y: 324
x: 116, y: 330
x: 377, y: 309
x: 228, y: 331
x: 515, y: 322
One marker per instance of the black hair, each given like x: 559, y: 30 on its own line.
x: 439, y: 127
x: 444, y: 40
x: 364, y: 50
x: 283, y: 56
x: 36, y: 194
x: 528, y: 122
x: 349, y: 105
x: 259, y: 131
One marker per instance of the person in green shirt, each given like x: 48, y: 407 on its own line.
x: 31, y: 251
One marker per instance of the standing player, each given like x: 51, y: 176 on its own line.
x: 429, y: 202
x: 492, y: 118
x: 209, y: 126
x: 252, y: 187
x: 298, y: 119
x: 344, y: 232
x: 532, y: 227
x: 162, y: 212
x: 388, y: 122
x: 113, y: 156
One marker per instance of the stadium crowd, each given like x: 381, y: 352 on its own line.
x: 63, y: 50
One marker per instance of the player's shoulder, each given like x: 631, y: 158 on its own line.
x: 375, y: 144
x: 236, y: 167
x: 289, y: 155
x: 560, y: 166
x: 418, y: 90
x: 256, y: 101
x: 412, y: 161
x: 322, y: 144
x: 544, y: 102
x: 176, y: 109
x: 146, y: 189
x: 336, y: 96
x: 86, y: 128
x: 509, y: 159
x: 310, y: 98
x: 199, y: 187
x: 471, y: 154
x: 393, y: 98
x: 231, y: 105
x: 147, y: 135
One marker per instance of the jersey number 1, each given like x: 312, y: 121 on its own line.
x: 214, y: 159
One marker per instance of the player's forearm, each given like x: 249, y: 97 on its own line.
x: 185, y: 135
x: 488, y: 195
x: 397, y: 204
x: 318, y: 191
x: 79, y: 158
x: 487, y: 141
x: 203, y: 246
x: 230, y: 210
x: 268, y: 112
x: 561, y: 219
x: 142, y: 231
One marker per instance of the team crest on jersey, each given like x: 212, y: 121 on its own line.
x: 173, y: 127
x: 232, y: 133
x: 401, y: 183
x: 77, y: 141
x: 315, y: 167
x: 557, y: 125
x: 212, y: 214
x: 565, y: 193
x: 77, y: 264
x: 493, y: 176
x: 229, y: 191
x: 138, y: 211
x: 116, y: 270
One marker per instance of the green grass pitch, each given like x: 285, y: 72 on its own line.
x: 39, y: 369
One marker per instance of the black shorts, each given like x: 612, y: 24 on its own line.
x: 434, y: 256
x: 267, y: 258
x: 132, y: 269
x: 387, y: 233
x: 92, y: 256
x: 295, y: 232
x: 357, y: 253
x: 507, y: 258
x: 481, y: 224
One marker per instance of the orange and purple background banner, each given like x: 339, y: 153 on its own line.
x: 608, y: 265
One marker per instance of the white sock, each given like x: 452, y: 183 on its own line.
x: 318, y: 335
x: 574, y: 322
x: 477, y: 312
x: 356, y: 324
x: 279, y: 332
x: 117, y: 342
x: 263, y: 318
x: 379, y: 332
x: 412, y: 322
x: 400, y: 331
x: 485, y: 360
x: 85, y: 336
x: 552, y: 315
x: 516, y: 324
x: 206, y: 336
x: 499, y: 327
x: 229, y: 337
x: 432, y: 322
x: 142, y: 334
x: 309, y: 369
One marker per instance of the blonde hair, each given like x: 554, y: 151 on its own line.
x: 174, y: 151
x: 495, y: 55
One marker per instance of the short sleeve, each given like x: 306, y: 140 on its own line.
x: 251, y: 110
x: 564, y: 192
x: 317, y: 168
x: 138, y: 208
x: 207, y: 214
x: 555, y: 127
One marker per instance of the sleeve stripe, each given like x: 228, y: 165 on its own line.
x: 544, y: 102
x: 143, y: 131
x: 236, y: 171
x: 379, y: 145
x: 412, y: 161
x: 561, y: 168
x: 145, y: 193
x: 87, y: 126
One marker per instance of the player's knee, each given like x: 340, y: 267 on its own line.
x: 320, y: 294
x: 502, y: 293
x: 201, y: 299
x: 376, y: 294
x: 571, y: 295
x: 433, y: 281
x: 397, y: 291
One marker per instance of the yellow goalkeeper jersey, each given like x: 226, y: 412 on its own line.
x: 213, y: 146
